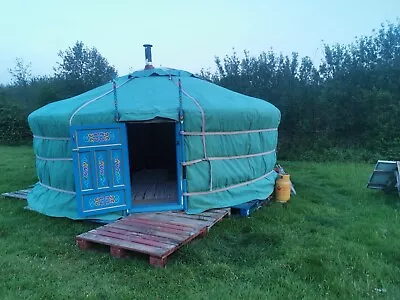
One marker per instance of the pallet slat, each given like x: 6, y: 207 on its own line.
x: 176, y: 220
x: 21, y: 194
x: 192, y: 217
x: 153, y: 225
x: 96, y: 238
x: 209, y: 217
x: 134, y: 239
x: 169, y: 224
x: 146, y: 230
x: 138, y: 234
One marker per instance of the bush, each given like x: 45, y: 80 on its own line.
x: 14, y: 127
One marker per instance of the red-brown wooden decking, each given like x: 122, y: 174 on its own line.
x: 155, y: 234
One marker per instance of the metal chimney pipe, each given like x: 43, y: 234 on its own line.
x: 147, y: 55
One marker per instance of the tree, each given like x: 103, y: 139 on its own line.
x: 21, y: 73
x: 21, y: 78
x: 83, y: 68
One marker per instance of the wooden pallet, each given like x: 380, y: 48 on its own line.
x: 246, y: 209
x: 155, y: 234
x: 20, y: 194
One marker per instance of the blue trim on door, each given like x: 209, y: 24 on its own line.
x: 101, y: 168
x: 182, y: 180
x: 178, y: 142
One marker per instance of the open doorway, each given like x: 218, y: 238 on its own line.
x: 153, y: 164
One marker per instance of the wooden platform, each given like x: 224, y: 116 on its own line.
x: 155, y: 234
x: 20, y: 194
x: 153, y: 187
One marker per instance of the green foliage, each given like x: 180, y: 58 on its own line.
x: 351, y: 100
x: 334, y: 240
x: 13, y: 124
x: 83, y: 68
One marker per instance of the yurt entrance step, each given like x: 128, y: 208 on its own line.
x: 155, y: 234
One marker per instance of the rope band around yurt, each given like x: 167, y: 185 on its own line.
x: 54, y: 159
x: 193, y: 133
x: 51, y: 138
x: 229, y: 187
x: 192, y: 162
x: 56, y: 189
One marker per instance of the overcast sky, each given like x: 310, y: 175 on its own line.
x: 185, y: 34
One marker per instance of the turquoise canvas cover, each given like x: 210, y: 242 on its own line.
x: 230, y: 139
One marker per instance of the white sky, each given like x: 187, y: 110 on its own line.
x: 185, y: 34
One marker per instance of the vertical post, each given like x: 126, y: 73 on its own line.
x: 115, y: 101
x: 182, y: 184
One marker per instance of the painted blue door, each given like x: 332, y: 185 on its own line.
x: 101, y: 169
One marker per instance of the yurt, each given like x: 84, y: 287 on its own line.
x: 155, y: 140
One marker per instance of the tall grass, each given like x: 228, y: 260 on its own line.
x: 335, y: 239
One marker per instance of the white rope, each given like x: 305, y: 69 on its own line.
x: 91, y: 101
x: 228, y: 132
x: 202, y: 117
x: 203, y: 125
x: 51, y: 138
x: 203, y: 122
x: 203, y: 136
x: 56, y: 189
x: 55, y: 159
x: 211, y: 176
x: 192, y: 162
x: 229, y: 187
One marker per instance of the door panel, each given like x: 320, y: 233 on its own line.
x: 100, y: 158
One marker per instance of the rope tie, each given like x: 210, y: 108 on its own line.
x: 115, y: 101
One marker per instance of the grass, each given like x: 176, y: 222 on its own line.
x: 336, y: 239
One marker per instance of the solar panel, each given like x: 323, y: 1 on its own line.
x: 385, y: 176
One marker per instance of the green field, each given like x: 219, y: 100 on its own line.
x: 336, y: 239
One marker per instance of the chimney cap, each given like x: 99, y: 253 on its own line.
x: 147, y: 55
